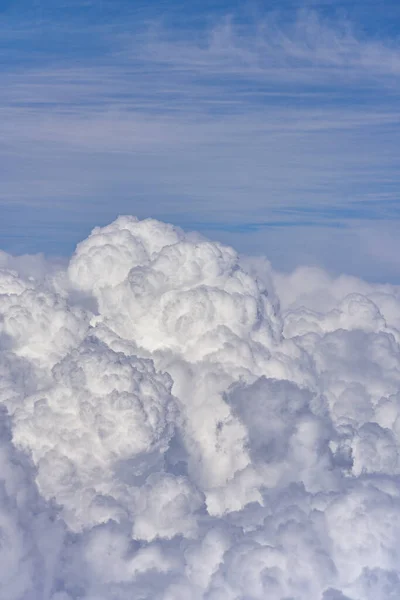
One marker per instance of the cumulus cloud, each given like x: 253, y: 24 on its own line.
x: 178, y: 422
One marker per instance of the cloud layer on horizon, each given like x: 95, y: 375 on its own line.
x: 180, y: 422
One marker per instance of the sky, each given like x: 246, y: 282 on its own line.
x: 199, y: 300
x: 271, y: 126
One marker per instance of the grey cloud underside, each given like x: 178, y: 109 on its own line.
x: 182, y: 424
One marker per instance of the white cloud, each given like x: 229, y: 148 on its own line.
x: 279, y: 50
x: 184, y: 423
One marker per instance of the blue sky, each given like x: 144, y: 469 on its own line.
x: 273, y: 126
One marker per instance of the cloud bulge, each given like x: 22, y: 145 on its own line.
x: 181, y: 422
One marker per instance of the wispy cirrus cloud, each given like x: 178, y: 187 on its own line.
x: 239, y: 124
x: 306, y: 49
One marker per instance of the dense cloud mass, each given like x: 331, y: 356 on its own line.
x: 181, y: 423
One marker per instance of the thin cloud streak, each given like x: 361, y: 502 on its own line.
x: 266, y: 119
x: 285, y: 53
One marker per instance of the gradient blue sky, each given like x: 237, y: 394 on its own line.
x: 273, y: 126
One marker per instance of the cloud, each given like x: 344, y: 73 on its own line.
x: 251, y: 123
x: 181, y: 422
x: 277, y: 48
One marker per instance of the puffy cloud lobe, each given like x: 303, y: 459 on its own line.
x: 180, y: 422
x: 107, y: 256
x: 36, y: 323
x: 103, y: 413
x: 31, y: 539
x: 166, y: 507
x: 180, y: 295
